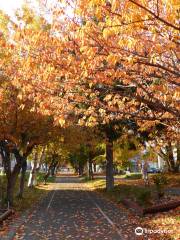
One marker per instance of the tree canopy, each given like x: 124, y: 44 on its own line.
x: 90, y: 68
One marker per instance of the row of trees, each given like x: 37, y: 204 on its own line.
x: 107, y: 65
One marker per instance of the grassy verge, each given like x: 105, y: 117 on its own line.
x: 167, y: 221
x: 122, y: 191
x: 132, y: 186
x: 173, y: 179
x: 31, y: 195
x: 129, y: 176
x: 40, y: 178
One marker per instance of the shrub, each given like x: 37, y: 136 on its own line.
x: 143, y: 196
x: 160, y: 180
x: 134, y: 176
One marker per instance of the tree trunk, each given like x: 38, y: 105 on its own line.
x: 48, y: 172
x: 80, y: 170
x: 53, y: 171
x: 12, y: 175
x: 47, y: 175
x: 109, y: 166
x: 76, y: 169
x: 32, y: 175
x: 90, y: 169
x: 178, y: 158
x: 37, y: 166
x: 168, y: 156
x: 173, y: 166
x: 11, y: 181
x: 10, y: 191
x: 95, y: 170
x: 22, y: 179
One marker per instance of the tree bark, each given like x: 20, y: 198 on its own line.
x: 32, y: 175
x: 168, y: 156
x: 10, y: 191
x: 14, y: 174
x: 109, y: 166
x: 6, y: 149
x: 11, y: 176
x: 95, y: 170
x: 90, y: 169
x: 173, y: 166
x: 178, y: 158
x: 51, y: 166
x: 53, y: 169
x: 47, y: 175
x: 11, y: 181
x: 22, y: 179
x: 80, y: 170
x: 42, y: 158
x: 26, y: 153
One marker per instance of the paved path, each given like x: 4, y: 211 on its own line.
x: 70, y: 212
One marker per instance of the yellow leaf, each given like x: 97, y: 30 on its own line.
x: 90, y: 85
x: 115, y: 5
x: 112, y: 59
x: 106, y: 33
x: 61, y: 122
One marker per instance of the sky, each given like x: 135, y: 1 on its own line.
x: 10, y: 5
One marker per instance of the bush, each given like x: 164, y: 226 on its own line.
x: 143, y: 196
x: 160, y: 180
x: 40, y: 178
x: 86, y: 179
x: 134, y: 176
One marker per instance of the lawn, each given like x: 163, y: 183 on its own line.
x: 132, y: 186
x: 30, y: 198
x: 31, y: 195
x: 122, y: 191
x: 134, y: 189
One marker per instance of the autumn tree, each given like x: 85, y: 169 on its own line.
x: 28, y: 97
x: 37, y: 159
x: 105, y: 62
x: 128, y: 53
x: 163, y: 143
x: 126, y: 147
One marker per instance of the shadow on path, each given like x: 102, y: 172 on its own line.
x: 72, y: 212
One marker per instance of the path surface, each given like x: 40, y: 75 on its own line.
x: 70, y: 212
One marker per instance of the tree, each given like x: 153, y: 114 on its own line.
x: 126, y: 51
x: 38, y: 157
x: 55, y: 155
x: 111, y: 62
x: 163, y: 143
x: 126, y: 147
x: 26, y: 117
x: 78, y: 159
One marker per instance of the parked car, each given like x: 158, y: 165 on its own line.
x: 154, y: 170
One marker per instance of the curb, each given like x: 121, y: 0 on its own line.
x: 22, y: 219
x: 5, y: 214
x: 13, y: 229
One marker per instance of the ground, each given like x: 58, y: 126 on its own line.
x: 72, y: 211
x: 30, y: 195
x: 166, y: 221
